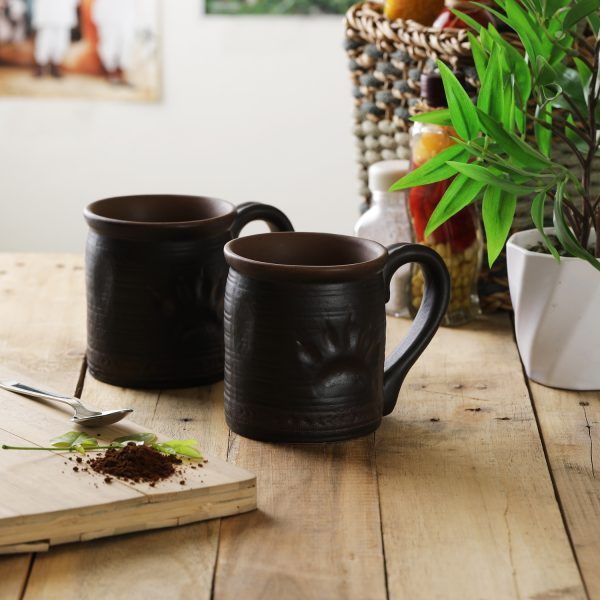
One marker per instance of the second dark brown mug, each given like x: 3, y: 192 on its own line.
x: 305, y: 333
x: 155, y: 275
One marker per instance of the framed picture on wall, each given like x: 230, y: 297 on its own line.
x: 276, y: 7
x: 105, y: 49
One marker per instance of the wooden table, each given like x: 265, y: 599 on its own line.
x: 480, y: 485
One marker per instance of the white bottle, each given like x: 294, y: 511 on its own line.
x: 387, y: 221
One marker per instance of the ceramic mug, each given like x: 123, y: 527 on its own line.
x: 305, y: 333
x: 156, y: 275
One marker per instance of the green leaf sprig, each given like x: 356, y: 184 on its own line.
x: 81, y: 442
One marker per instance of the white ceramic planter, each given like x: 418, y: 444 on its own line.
x: 557, y: 315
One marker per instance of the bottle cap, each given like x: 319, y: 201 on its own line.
x: 383, y: 174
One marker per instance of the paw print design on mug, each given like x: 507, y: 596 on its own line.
x: 193, y: 305
x: 341, y: 359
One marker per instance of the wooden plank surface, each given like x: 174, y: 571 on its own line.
x: 174, y: 563
x: 468, y: 507
x: 317, y: 532
x: 570, y: 424
x: 42, y: 332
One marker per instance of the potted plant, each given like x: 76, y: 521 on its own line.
x: 503, y: 152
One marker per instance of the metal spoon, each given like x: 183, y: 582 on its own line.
x: 87, y: 417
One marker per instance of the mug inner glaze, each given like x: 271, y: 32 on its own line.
x: 159, y: 209
x: 135, y: 216
x: 294, y: 255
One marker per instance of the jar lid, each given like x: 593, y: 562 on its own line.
x: 383, y: 174
x: 432, y: 88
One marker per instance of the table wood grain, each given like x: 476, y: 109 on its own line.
x: 481, y: 484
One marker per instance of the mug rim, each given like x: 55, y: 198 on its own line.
x: 219, y: 221
x: 301, y: 272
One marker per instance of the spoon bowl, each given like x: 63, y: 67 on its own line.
x: 102, y: 418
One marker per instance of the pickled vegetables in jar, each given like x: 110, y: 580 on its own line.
x: 458, y: 240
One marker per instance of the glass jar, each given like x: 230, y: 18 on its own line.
x: 387, y: 221
x: 458, y: 240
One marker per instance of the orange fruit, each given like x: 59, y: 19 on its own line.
x: 421, y: 11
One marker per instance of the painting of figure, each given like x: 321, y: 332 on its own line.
x: 104, y: 49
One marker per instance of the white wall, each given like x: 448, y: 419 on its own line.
x: 254, y: 108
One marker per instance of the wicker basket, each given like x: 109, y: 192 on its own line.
x: 386, y: 62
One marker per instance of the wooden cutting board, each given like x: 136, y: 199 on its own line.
x: 44, y: 502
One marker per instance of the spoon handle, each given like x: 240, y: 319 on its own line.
x: 25, y: 390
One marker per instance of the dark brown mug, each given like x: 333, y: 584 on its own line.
x: 305, y: 333
x: 155, y: 284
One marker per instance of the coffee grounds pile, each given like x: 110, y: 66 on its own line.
x: 136, y: 463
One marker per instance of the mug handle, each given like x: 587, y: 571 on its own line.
x: 255, y: 211
x: 433, y: 307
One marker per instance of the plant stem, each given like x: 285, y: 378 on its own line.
x: 563, y: 137
x: 574, y: 108
x: 94, y: 449
x: 584, y: 44
x: 582, y: 133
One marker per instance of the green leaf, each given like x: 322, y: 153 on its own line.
x: 189, y: 452
x: 433, y: 170
x: 516, y: 148
x: 66, y: 440
x: 486, y: 177
x: 569, y: 83
x: 462, y: 110
x: 552, y: 6
x: 525, y: 27
x: 465, y: 18
x: 546, y: 73
x: 502, y: 164
x: 181, y: 447
x: 580, y: 11
x: 556, y: 40
x: 520, y: 120
x: 543, y: 135
x: 498, y: 211
x: 585, y: 74
x: 594, y: 21
x: 491, y: 10
x: 480, y: 56
x: 460, y: 193
x: 508, y: 108
x: 487, y: 41
x: 565, y: 235
x: 177, y: 443
x: 579, y: 142
x: 490, y: 99
x: 437, y: 117
x: 77, y: 440
x: 551, y: 93
x: 517, y: 66
x: 537, y: 216
x: 147, y: 438
x: 522, y: 79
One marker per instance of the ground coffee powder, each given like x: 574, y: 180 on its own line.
x: 136, y: 463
